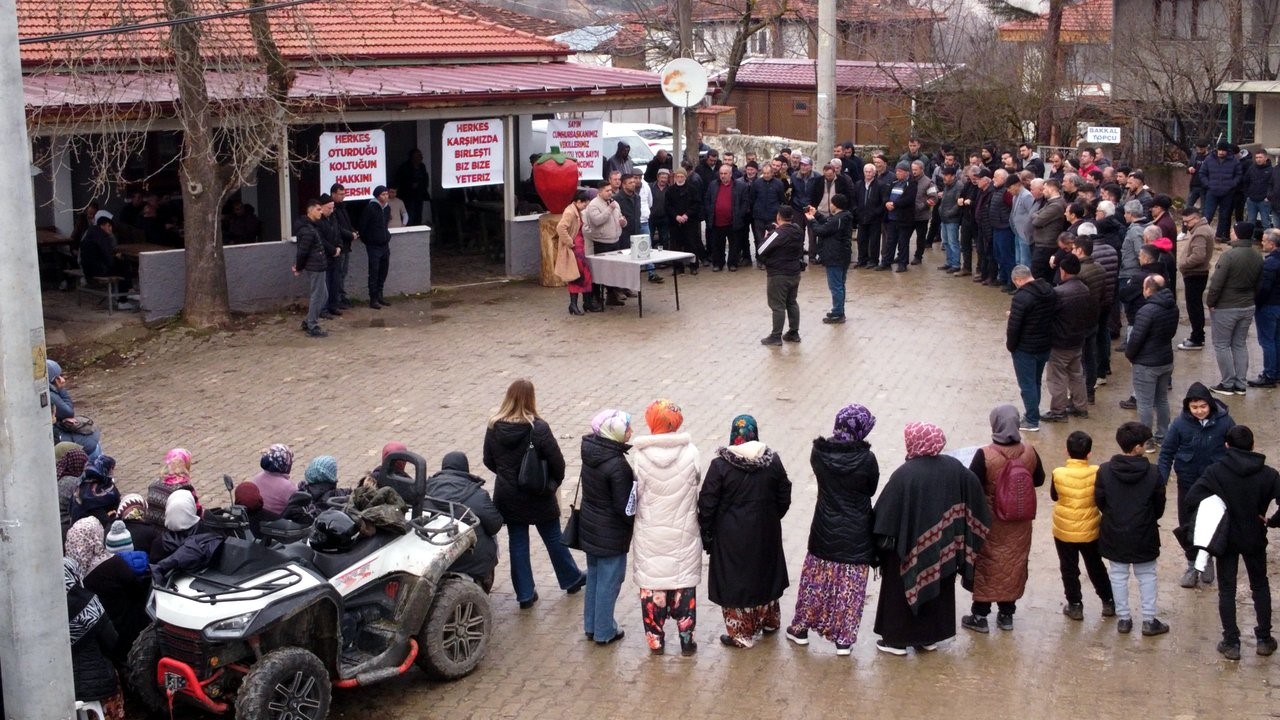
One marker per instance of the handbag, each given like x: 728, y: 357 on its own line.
x: 78, y: 425
x: 534, y: 478
x: 569, y: 538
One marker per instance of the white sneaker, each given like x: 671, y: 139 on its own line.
x: 927, y: 648
x: 801, y: 638
x: 889, y: 649
x: 1188, y: 345
x: 843, y: 650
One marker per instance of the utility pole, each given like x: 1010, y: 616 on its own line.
x: 826, y: 76
x: 35, y: 648
x: 684, y: 26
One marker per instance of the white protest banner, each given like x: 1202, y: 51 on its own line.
x: 472, y: 153
x: 1102, y: 135
x: 581, y: 140
x: 356, y: 159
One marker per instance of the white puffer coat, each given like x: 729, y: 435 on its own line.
x: 667, y: 545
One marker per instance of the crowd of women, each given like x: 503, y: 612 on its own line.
x: 931, y: 524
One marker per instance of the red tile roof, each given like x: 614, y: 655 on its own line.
x: 851, y: 75
x: 542, y: 27
x: 478, y: 84
x: 349, y: 30
x: 1083, y: 23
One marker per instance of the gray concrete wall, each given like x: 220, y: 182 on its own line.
x: 260, y: 276
x: 524, y: 249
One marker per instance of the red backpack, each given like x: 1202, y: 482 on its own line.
x: 1015, y: 492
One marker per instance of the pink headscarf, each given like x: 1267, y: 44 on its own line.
x: 395, y: 447
x: 923, y: 439
x: 177, y: 467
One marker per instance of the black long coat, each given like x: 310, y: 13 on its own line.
x: 847, y: 475
x: 504, y: 447
x: 604, y: 527
x: 740, y: 511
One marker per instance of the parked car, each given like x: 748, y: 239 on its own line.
x: 658, y: 137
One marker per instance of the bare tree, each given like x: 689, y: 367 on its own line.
x: 233, y: 107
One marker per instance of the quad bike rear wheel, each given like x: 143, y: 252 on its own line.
x: 286, y: 684
x: 141, y: 673
x: 455, y: 636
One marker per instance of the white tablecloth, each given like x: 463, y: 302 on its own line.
x: 618, y: 269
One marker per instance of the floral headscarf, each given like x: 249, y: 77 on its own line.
x: 663, y: 416
x: 100, y: 469
x: 277, y: 459
x: 177, y: 467
x: 87, y: 544
x: 72, y: 464
x: 132, y: 507
x: 853, y: 423
x: 923, y: 439
x: 743, y: 430
x: 611, y: 424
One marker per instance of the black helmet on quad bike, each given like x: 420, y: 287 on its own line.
x: 334, y: 532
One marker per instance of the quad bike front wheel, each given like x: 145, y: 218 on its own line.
x: 286, y: 684
x: 455, y: 636
x: 141, y: 671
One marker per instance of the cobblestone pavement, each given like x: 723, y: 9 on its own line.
x: 918, y: 346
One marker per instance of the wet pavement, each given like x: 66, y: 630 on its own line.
x: 918, y: 346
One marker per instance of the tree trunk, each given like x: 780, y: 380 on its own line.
x: 738, y: 50
x: 207, y: 303
x: 1049, y: 74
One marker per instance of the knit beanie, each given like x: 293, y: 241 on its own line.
x: 118, y: 538
x: 62, y: 448
x: 323, y: 469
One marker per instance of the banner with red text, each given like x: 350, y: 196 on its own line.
x: 357, y: 159
x: 471, y: 153
x: 580, y: 139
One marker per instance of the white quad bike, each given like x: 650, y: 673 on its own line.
x: 272, y: 623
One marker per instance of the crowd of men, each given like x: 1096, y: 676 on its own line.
x: 1083, y: 244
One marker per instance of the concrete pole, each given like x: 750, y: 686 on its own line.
x: 35, y: 649
x: 826, y: 76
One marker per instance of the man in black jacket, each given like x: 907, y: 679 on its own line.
x: 377, y: 244
x: 1150, y: 350
x: 1029, y: 337
x: 899, y: 220
x: 867, y: 204
x: 347, y: 235
x: 331, y: 237
x: 783, y: 256
x: 833, y: 236
x: 1247, y: 487
x: 311, y: 260
x: 1065, y: 376
x: 455, y: 483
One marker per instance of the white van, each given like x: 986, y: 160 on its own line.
x: 641, y: 154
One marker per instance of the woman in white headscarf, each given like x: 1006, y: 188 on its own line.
x: 604, y: 527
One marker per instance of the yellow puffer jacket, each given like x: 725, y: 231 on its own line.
x: 1075, y: 515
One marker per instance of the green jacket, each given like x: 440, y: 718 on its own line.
x: 1235, y: 277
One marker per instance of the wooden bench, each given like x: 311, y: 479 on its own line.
x: 104, y: 287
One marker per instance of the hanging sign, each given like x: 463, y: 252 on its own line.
x: 471, y: 153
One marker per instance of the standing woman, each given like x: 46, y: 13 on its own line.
x: 604, y: 527
x: 1000, y: 575
x: 667, y: 548
x: 569, y: 242
x: 744, y: 497
x: 930, y: 521
x: 833, y: 583
x: 505, y: 441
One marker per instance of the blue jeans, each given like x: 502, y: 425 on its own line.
x: 1146, y: 574
x: 835, y: 283
x: 1268, y: 317
x: 1212, y: 203
x: 1260, y: 209
x: 1002, y: 249
x: 1151, y: 392
x: 951, y: 243
x: 1029, y: 369
x: 567, y: 572
x: 1022, y: 250
x: 604, y: 582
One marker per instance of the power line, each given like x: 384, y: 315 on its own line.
x: 158, y: 24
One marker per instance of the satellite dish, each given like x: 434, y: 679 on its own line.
x: 684, y: 82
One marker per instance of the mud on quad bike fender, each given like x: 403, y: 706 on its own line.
x: 141, y: 670
x: 455, y: 635
x: 287, y: 683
